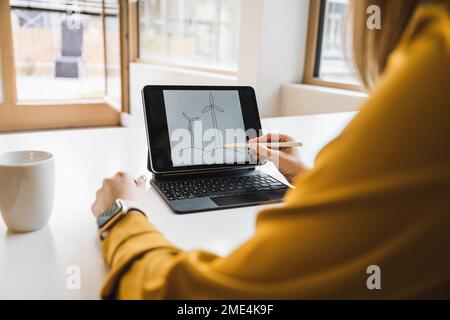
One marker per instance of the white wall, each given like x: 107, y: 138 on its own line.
x: 273, y: 46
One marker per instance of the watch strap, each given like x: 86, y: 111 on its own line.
x: 114, y: 213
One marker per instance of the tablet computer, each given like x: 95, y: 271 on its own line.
x: 188, y: 126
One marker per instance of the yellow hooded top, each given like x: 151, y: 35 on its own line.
x: 379, y: 194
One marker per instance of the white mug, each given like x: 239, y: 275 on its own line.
x: 27, y: 188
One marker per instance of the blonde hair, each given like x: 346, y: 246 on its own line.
x: 371, y: 48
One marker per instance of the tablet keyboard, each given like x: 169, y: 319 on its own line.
x: 195, y: 188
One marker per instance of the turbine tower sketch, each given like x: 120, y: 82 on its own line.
x: 213, y: 108
x: 190, y: 128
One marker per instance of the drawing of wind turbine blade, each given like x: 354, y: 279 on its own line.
x: 211, y: 99
x: 218, y: 108
x: 186, y: 116
x: 206, y: 109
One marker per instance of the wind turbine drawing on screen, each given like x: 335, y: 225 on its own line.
x: 190, y: 128
x: 213, y: 108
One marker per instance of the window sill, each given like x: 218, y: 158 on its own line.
x: 197, y: 69
x: 303, y: 99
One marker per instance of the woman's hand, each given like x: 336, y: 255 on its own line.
x: 287, y: 160
x: 121, y: 186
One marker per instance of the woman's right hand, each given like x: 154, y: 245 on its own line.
x: 287, y: 160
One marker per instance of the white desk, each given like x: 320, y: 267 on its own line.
x: 34, y: 265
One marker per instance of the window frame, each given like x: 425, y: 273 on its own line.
x: 135, y: 50
x: 313, y: 50
x: 17, y: 116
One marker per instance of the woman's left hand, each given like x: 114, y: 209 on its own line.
x: 121, y: 186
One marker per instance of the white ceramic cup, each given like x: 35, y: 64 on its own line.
x: 27, y: 188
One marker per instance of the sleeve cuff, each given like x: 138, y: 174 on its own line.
x: 128, y: 240
x: 132, y: 233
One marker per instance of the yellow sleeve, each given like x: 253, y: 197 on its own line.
x: 307, y: 252
x: 378, y: 195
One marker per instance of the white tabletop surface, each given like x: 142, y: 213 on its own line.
x: 34, y: 265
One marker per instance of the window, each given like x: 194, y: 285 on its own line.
x: 112, y: 42
x: 64, y: 63
x: 66, y: 60
x: 203, y: 33
x: 327, y: 62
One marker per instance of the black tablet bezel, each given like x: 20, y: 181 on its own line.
x: 157, y: 132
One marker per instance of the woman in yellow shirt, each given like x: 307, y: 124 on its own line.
x: 379, y: 194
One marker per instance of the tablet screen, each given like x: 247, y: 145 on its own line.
x: 201, y: 123
x: 192, y: 127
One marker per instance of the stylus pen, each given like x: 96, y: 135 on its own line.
x: 271, y: 145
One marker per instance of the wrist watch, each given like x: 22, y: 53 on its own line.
x: 114, y: 213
